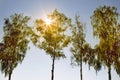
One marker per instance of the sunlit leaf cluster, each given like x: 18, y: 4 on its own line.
x: 15, y: 42
x: 53, y: 37
x: 106, y: 28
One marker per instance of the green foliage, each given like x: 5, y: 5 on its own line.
x: 15, y: 42
x: 81, y: 50
x: 78, y: 40
x: 2, y: 47
x: 104, y: 18
x: 52, y: 37
x: 106, y: 28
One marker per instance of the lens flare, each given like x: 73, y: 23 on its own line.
x: 48, y: 21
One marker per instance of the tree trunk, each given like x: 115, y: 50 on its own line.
x: 81, y: 77
x: 10, y: 76
x: 109, y: 73
x: 52, y: 71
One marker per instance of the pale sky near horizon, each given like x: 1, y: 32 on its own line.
x: 37, y: 65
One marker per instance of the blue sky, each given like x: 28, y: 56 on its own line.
x: 37, y: 65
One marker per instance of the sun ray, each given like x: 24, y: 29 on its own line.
x: 48, y: 21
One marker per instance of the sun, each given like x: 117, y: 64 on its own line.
x: 48, y: 21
